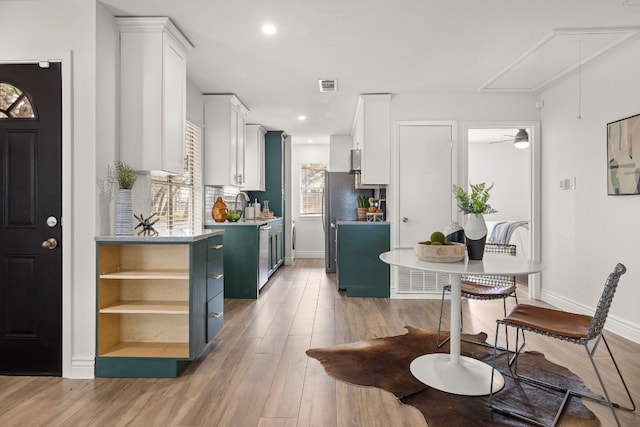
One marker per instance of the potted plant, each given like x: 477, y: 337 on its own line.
x: 126, y: 177
x: 475, y: 205
x: 362, y: 208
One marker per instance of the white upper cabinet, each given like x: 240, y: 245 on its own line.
x: 254, y: 157
x: 224, y: 140
x: 153, y: 83
x: 371, y: 133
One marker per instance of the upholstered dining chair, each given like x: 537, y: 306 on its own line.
x: 489, y: 287
x: 571, y: 327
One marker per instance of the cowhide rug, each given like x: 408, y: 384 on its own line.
x: 384, y: 363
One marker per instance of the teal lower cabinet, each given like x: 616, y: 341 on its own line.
x: 240, y: 260
x: 359, y: 269
x: 242, y: 255
x: 159, y: 302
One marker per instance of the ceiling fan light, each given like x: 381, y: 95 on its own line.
x: 521, y: 140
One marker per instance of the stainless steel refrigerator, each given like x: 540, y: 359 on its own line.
x: 340, y: 201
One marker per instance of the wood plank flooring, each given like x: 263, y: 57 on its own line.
x: 256, y: 373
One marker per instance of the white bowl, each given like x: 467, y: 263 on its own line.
x: 440, y: 253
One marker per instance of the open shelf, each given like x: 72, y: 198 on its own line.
x: 155, y: 274
x: 148, y: 307
x: 147, y: 349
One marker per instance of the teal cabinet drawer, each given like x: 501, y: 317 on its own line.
x: 215, y: 316
x: 214, y: 248
x: 215, y: 284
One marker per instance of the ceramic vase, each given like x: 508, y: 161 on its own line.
x: 219, y: 212
x: 475, y: 233
x: 124, y: 212
x: 454, y: 232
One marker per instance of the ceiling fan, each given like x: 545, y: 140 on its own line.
x: 520, y: 139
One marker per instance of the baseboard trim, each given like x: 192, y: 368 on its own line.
x: 82, y: 368
x: 309, y: 254
x: 614, y: 324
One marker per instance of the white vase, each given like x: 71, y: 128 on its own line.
x: 475, y: 232
x: 124, y: 212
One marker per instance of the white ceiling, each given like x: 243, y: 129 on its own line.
x: 379, y: 46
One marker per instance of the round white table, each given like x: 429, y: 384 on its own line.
x: 452, y: 372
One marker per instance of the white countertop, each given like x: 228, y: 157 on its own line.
x: 164, y: 237
x: 253, y: 222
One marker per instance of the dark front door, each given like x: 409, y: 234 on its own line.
x: 30, y: 213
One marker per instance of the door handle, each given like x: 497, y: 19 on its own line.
x: 405, y: 219
x: 50, y: 243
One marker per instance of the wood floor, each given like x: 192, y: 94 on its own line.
x: 256, y: 373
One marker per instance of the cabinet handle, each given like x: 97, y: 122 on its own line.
x: 216, y: 276
x: 216, y: 315
x: 216, y: 247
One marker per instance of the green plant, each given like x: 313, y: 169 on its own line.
x: 362, y: 201
x: 476, y: 202
x: 125, y: 175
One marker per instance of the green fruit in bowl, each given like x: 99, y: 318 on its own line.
x: 437, y: 236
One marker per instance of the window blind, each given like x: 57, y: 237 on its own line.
x: 177, y: 200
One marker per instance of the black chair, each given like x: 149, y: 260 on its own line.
x: 571, y: 327
x: 489, y: 287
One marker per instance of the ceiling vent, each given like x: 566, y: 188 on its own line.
x: 328, y: 85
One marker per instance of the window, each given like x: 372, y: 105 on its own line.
x: 14, y: 104
x: 177, y: 200
x: 311, y: 187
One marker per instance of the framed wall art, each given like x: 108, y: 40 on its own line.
x: 623, y: 156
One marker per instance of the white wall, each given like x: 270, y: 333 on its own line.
x: 584, y: 231
x: 309, y: 240
x: 66, y: 29
x: 340, y: 149
x: 507, y: 168
x: 195, y: 105
x: 463, y: 107
x: 107, y: 54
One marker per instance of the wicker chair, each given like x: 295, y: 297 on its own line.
x: 574, y: 328
x: 489, y: 287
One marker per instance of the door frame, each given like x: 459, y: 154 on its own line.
x: 66, y: 221
x: 534, y: 191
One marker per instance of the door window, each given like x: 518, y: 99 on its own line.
x: 14, y: 103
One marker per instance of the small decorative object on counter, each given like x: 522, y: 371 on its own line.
x: 475, y: 205
x: 147, y: 225
x: 219, y: 212
x: 374, y: 217
x: 126, y: 177
x: 454, y: 232
x: 266, y: 213
x: 374, y: 213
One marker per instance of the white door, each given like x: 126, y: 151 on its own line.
x: 424, y: 173
x: 424, y: 181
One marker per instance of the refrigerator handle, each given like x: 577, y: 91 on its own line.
x: 322, y: 210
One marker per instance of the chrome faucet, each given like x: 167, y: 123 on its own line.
x: 246, y: 198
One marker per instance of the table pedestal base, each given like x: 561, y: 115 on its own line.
x: 469, y: 377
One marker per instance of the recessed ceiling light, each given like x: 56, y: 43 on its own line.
x: 269, y: 29
x: 302, y: 117
x: 309, y: 140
